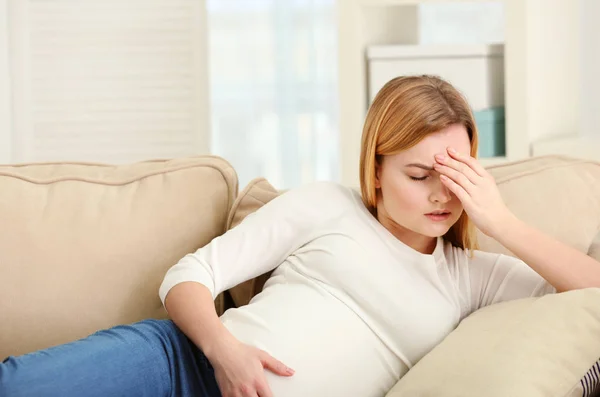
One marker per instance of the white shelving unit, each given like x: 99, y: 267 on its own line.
x: 541, y: 69
x: 476, y: 70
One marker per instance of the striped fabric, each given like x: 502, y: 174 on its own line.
x: 590, y: 383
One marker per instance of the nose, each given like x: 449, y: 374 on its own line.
x: 440, y: 193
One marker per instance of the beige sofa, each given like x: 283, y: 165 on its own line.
x: 85, y: 247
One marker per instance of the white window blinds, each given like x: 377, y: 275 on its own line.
x: 109, y: 81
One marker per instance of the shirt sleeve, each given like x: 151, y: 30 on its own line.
x: 497, y: 278
x: 261, y: 242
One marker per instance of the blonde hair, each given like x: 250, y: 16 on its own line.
x: 405, y: 111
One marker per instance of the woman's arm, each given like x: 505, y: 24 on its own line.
x: 262, y: 241
x: 562, y: 266
x: 190, y: 306
x: 239, y: 368
x: 259, y: 244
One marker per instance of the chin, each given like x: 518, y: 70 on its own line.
x: 435, y: 231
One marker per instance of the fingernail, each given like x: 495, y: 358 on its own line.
x: 440, y: 157
x: 290, y: 371
x: 451, y: 150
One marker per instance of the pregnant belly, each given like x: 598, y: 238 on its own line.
x: 332, y: 350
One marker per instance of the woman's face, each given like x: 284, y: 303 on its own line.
x: 410, y: 190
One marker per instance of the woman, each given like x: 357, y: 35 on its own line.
x: 364, y: 285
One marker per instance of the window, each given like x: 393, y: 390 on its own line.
x: 273, y: 89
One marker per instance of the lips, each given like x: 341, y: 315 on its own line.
x: 439, y: 212
x: 438, y: 216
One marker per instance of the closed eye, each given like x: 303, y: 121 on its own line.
x: 418, y: 179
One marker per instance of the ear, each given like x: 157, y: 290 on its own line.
x: 377, y: 174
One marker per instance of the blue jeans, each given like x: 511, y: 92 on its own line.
x: 148, y: 358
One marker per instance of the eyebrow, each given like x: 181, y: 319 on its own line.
x: 422, y: 166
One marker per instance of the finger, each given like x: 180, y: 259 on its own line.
x: 470, y: 161
x: 275, y: 366
x: 458, y: 166
x: 247, y: 391
x: 456, y: 176
x: 264, y: 390
x: 455, y: 188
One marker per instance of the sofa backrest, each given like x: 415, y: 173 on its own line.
x: 85, y: 246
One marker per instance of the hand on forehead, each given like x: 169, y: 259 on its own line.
x: 454, y: 136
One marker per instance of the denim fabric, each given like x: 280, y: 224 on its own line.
x: 148, y: 358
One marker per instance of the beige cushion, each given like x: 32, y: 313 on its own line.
x: 86, y: 246
x: 556, y: 194
x: 535, y: 347
x: 258, y: 192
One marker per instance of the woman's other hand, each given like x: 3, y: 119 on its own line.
x: 239, y: 369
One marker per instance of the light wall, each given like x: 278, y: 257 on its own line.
x: 590, y: 65
x: 552, y: 55
x: 585, y: 143
x: 550, y: 43
x: 461, y: 23
x: 552, y: 34
x: 5, y: 111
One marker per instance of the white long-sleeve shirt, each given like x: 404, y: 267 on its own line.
x: 349, y: 306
